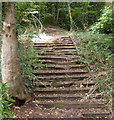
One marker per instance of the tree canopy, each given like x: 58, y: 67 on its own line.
x: 83, y: 13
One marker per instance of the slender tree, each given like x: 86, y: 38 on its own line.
x: 10, y: 58
x: 71, y: 20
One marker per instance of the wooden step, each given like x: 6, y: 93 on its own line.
x: 66, y: 91
x: 56, y: 62
x: 52, y: 58
x: 83, y: 105
x: 57, y: 47
x: 59, y: 80
x: 61, y: 67
x: 51, y: 45
x: 98, y: 115
x: 58, y: 56
x: 57, y: 51
x: 66, y: 37
x: 65, y: 47
x: 58, y: 97
x: 67, y: 66
x: 55, y: 57
x: 63, y: 96
x: 59, y: 72
x: 53, y: 84
x: 77, y: 77
x: 64, y: 41
x: 64, y: 83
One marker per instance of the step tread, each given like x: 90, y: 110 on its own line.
x: 51, y: 45
x: 60, y: 71
x: 76, y: 65
x: 60, y: 96
x: 72, y: 105
x: 50, y: 50
x: 53, y: 85
x: 58, y: 57
x: 96, y: 114
x: 62, y: 67
x: 58, y: 62
x: 67, y: 76
x: 63, y: 90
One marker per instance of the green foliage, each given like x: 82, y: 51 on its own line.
x: 57, y: 14
x: 0, y: 61
x: 5, y: 100
x: 28, y: 60
x: 96, y: 48
x: 97, y: 54
x: 86, y: 13
x: 0, y: 20
x: 104, y: 24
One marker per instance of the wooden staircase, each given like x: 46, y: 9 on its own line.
x: 62, y: 83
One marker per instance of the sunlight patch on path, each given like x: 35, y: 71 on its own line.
x: 43, y: 38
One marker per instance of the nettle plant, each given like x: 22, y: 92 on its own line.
x: 5, y: 100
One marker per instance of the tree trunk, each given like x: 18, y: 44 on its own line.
x: 54, y: 15
x: 10, y: 58
x: 57, y: 16
x: 71, y: 21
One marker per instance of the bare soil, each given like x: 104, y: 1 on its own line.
x: 32, y: 110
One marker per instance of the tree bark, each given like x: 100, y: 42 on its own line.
x: 54, y: 15
x: 71, y: 21
x: 57, y: 16
x: 10, y: 58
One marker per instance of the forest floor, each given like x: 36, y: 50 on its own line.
x: 33, y: 110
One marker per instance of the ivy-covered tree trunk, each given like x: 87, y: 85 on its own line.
x: 10, y: 58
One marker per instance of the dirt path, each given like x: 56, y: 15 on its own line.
x: 49, y: 35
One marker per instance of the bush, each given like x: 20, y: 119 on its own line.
x: 104, y: 24
x: 28, y: 60
x: 5, y: 100
x: 96, y: 47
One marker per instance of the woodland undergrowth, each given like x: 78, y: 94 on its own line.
x: 97, y: 55
x: 28, y: 60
